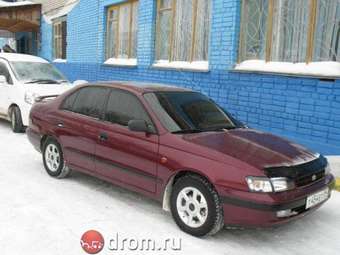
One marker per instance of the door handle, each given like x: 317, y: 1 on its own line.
x: 103, y: 137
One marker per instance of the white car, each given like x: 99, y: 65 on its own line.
x: 23, y: 79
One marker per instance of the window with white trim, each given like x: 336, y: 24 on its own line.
x: 121, y: 35
x: 290, y: 31
x: 183, y: 29
x: 59, y: 38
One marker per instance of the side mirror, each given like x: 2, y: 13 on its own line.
x: 79, y: 82
x: 3, y: 79
x: 140, y: 126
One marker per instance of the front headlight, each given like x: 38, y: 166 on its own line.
x: 267, y: 185
x: 328, y: 169
x: 259, y: 184
x: 30, y: 97
x: 282, y: 184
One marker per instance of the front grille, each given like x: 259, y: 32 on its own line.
x: 303, y: 175
x: 306, y: 180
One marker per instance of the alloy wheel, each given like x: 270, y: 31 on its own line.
x: 192, y: 207
x: 52, y: 156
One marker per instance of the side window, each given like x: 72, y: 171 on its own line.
x: 123, y: 107
x: 90, y: 101
x: 4, y: 71
x: 69, y: 102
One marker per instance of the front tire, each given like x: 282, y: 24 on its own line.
x: 196, y: 206
x: 53, y: 158
x: 16, y: 120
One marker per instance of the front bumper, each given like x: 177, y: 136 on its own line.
x: 261, y: 209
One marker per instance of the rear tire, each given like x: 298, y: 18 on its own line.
x: 53, y: 158
x: 196, y: 206
x: 16, y: 120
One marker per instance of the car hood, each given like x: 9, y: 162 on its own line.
x: 258, y: 149
x: 47, y: 89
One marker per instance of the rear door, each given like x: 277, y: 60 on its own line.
x: 122, y: 155
x: 77, y: 126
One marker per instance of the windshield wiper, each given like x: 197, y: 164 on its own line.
x: 63, y: 81
x: 221, y: 128
x: 188, y: 131
x: 42, y: 81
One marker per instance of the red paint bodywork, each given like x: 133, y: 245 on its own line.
x: 224, y: 158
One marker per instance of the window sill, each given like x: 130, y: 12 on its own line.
x: 59, y: 60
x: 131, y: 62
x: 197, y: 66
x: 326, y: 69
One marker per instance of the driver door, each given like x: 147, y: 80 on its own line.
x: 5, y: 88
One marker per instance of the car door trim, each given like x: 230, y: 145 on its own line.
x: 129, y: 170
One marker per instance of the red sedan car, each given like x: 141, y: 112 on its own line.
x: 179, y: 147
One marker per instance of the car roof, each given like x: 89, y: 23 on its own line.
x: 16, y: 57
x: 143, y: 87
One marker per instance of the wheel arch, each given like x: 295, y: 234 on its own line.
x: 11, y: 107
x: 172, y: 180
x: 43, y: 140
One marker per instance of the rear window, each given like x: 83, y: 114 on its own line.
x: 87, y: 101
x: 69, y: 102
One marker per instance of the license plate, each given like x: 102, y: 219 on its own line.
x: 317, y: 198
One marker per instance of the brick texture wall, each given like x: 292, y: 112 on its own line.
x: 304, y: 109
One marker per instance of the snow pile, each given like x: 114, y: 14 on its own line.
x: 326, y: 68
x: 59, y: 60
x: 121, y: 61
x: 334, y: 162
x: 13, y: 4
x: 196, y: 65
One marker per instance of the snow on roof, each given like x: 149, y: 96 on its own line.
x: 15, y: 57
x: 14, y: 4
x: 69, y: 5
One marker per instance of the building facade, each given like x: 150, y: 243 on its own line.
x: 274, y: 64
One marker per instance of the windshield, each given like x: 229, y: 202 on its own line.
x: 189, y: 112
x: 35, y: 72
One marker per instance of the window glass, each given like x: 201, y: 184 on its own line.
x: 123, y: 107
x: 121, y: 36
x: 201, y: 46
x: 188, y: 111
x: 291, y: 23
x: 30, y: 71
x: 163, y: 35
x: 4, y: 71
x: 90, y: 101
x: 290, y: 30
x: 254, y: 29
x: 69, y: 102
x: 59, y: 38
x: 183, y: 28
x: 327, y: 34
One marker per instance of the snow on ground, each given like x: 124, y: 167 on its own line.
x: 334, y: 162
x: 42, y: 215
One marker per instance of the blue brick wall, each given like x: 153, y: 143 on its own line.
x: 304, y: 109
x: 45, y: 49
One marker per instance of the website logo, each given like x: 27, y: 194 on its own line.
x: 92, y: 242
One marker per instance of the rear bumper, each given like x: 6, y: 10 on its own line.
x: 239, y: 211
x: 34, y: 138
